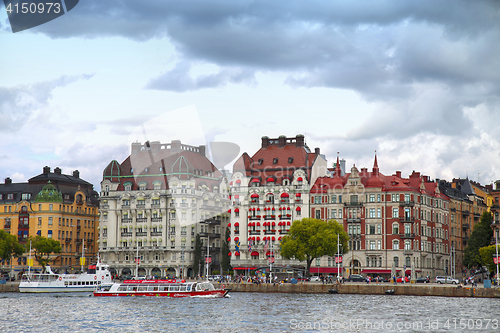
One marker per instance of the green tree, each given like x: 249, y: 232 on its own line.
x: 480, y: 237
x: 43, y: 248
x: 226, y: 259
x: 312, y: 238
x: 197, y: 255
x: 9, y: 246
x: 487, y: 253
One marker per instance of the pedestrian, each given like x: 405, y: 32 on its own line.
x: 394, y: 279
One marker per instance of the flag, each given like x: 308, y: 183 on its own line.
x: 82, y: 261
x: 250, y: 242
x: 266, y: 246
x: 238, y: 246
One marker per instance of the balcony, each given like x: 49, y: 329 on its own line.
x: 407, y: 235
x: 269, y: 217
x: 209, y: 234
x: 67, y: 240
x: 407, y: 203
x: 353, y: 204
x: 78, y: 240
x: 158, y: 233
x: 269, y: 232
x: 212, y: 249
x: 156, y: 219
x: 353, y: 220
x: 256, y: 232
x: 283, y: 232
x: 256, y: 217
x: 127, y: 220
x: 6, y: 226
x: 126, y: 234
x: 407, y: 219
x: 465, y: 225
x: 141, y: 234
x: 465, y: 213
x: 453, y: 209
x: 141, y: 220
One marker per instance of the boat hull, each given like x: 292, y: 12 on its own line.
x: 177, y: 294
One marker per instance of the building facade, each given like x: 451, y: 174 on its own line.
x: 268, y: 191
x: 53, y: 205
x: 152, y: 205
x: 396, y: 225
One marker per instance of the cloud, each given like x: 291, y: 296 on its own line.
x: 18, y: 104
x: 179, y: 79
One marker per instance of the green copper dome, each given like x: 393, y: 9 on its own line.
x: 49, y: 193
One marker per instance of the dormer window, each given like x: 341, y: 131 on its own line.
x: 290, y: 160
x: 260, y: 161
x: 275, y: 161
x: 145, y: 170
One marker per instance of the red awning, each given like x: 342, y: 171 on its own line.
x: 299, y: 179
x: 288, y: 223
x: 376, y: 271
x: 236, y: 224
x: 279, y: 238
x: 243, y: 268
x: 255, y: 180
x: 298, y: 194
x: 274, y: 238
x: 236, y: 196
x: 229, y: 224
x: 298, y: 209
x: 254, y: 253
x: 316, y: 270
x: 236, y: 210
x: 231, y: 183
x: 238, y: 181
x: 270, y: 180
x: 258, y: 224
x: 284, y: 195
x: 258, y: 239
x: 268, y: 253
x: 274, y: 223
x: 229, y: 211
x: 236, y: 239
x: 255, y: 195
x: 288, y: 208
x: 236, y: 253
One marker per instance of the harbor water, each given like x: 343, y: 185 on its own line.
x: 247, y: 312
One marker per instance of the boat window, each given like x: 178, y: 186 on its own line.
x: 130, y: 288
x: 173, y: 288
x: 142, y: 288
x: 182, y: 288
x: 122, y: 288
x: 65, y: 283
x: 151, y: 288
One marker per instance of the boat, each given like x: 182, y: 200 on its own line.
x: 97, y: 275
x: 390, y: 292
x: 169, y: 288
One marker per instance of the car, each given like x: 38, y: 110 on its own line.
x: 356, y: 278
x: 314, y: 279
x: 400, y: 279
x: 422, y: 280
x: 378, y: 279
x: 446, y: 280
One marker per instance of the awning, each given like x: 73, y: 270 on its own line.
x: 376, y: 271
x: 229, y: 224
x: 255, y: 180
x: 299, y: 179
x: 255, y: 195
x: 254, y: 253
x: 298, y: 194
x: 284, y: 195
x: 236, y: 210
x: 238, y: 181
x: 243, y: 268
x: 298, y: 209
x: 270, y: 180
x: 316, y: 270
x: 236, y: 224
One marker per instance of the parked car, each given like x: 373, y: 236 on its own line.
x: 446, y: 280
x: 400, y: 279
x: 422, y: 280
x: 314, y: 279
x: 356, y: 278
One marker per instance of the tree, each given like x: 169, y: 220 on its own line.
x: 480, y: 237
x: 226, y: 259
x: 44, y: 247
x: 9, y: 246
x: 312, y: 238
x: 197, y: 255
x: 487, y: 254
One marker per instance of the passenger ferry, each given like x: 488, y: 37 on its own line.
x: 169, y: 288
x: 97, y: 275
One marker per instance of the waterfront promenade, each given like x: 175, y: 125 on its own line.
x: 409, y: 289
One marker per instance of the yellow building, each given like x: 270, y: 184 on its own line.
x: 52, y: 205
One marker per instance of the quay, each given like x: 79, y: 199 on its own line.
x: 409, y: 289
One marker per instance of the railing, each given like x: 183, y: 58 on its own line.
x: 141, y: 220
x: 353, y: 204
x: 465, y: 213
x: 126, y: 234
x: 141, y: 234
x: 126, y: 220
x: 156, y: 219
x: 158, y: 233
x: 6, y: 226
x: 407, y: 203
x: 353, y: 220
x: 465, y: 225
x: 407, y: 235
x: 269, y: 232
x: 407, y: 220
x: 67, y: 240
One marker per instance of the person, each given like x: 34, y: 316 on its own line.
x: 394, y: 279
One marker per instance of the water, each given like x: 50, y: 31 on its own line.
x: 247, y: 312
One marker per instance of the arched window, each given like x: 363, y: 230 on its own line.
x: 395, y: 244
x: 395, y: 228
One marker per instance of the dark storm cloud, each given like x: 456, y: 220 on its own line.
x: 179, y: 80
x: 18, y: 103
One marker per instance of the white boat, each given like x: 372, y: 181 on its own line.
x: 97, y: 275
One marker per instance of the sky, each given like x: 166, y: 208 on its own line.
x: 416, y: 81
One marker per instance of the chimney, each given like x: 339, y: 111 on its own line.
x: 176, y: 146
x: 155, y: 146
x: 136, y: 148
x: 281, y: 141
x: 76, y: 174
x: 46, y: 169
x: 398, y: 174
x: 299, y: 140
x: 202, y: 150
x: 316, y: 151
x: 8, y: 181
x: 57, y: 170
x: 265, y: 141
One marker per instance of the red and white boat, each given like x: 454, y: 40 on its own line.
x: 169, y: 288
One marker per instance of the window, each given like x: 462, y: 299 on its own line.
x: 372, y: 197
x: 50, y: 220
x: 39, y: 221
x: 378, y: 197
x: 334, y: 199
x: 157, y: 186
x: 395, y: 212
x: 333, y: 213
x: 275, y: 161
x: 260, y: 161
x: 379, y: 247
x: 395, y: 229
x: 372, y: 245
x: 379, y: 229
x: 10, y: 196
x: 340, y: 199
x: 395, y: 198
x: 407, y: 245
x: 340, y: 213
x: 24, y: 196
x: 408, y: 262
x: 318, y: 214
x: 379, y: 213
x: 396, y: 261
x: 143, y: 185
x: 290, y: 160
x: 372, y: 213
x: 126, y: 202
x: 372, y: 230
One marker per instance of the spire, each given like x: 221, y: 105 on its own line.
x: 375, y: 165
x: 337, y: 167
